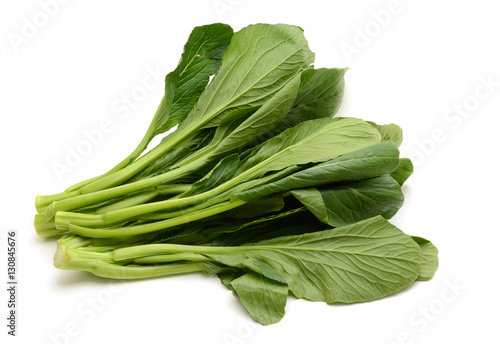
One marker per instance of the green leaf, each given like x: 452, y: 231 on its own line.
x: 315, y: 93
x: 310, y: 142
x: 226, y: 277
x: 320, y: 95
x: 368, y: 162
x: 221, y: 173
x: 264, y: 269
x: 201, y: 59
x: 261, y: 121
x: 347, y: 203
x: 240, y: 232
x: 263, y: 231
x: 263, y: 298
x: 360, y: 262
x: 168, y: 161
x: 259, y: 207
x: 258, y: 62
x: 403, y: 172
x: 214, y: 268
x: 390, y: 132
x: 430, y: 260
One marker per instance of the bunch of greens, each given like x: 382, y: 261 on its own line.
x: 257, y: 184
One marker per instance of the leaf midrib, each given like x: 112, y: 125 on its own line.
x: 293, y: 248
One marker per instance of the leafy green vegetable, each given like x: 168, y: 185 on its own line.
x: 258, y: 184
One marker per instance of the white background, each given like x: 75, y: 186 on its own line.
x: 415, y: 67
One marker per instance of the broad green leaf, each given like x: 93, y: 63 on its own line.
x: 368, y: 162
x: 315, y: 93
x: 430, y: 260
x: 201, y: 59
x: 360, y: 262
x: 258, y: 62
x: 310, y: 142
x: 390, y: 132
x: 347, y: 203
x: 263, y: 298
x: 403, y: 172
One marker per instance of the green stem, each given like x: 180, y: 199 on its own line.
x: 125, y: 213
x: 62, y: 223
x: 202, y: 153
x: 74, y: 253
x: 130, y: 170
x: 107, y: 270
x: 168, y: 258
x: 140, y: 251
x: 84, y: 182
x: 160, y: 111
x: 139, y: 198
x: 42, y: 202
x: 144, y: 197
x: 173, y: 189
x: 46, y: 229
x: 122, y: 190
x: 73, y: 260
x: 182, y: 134
x: 146, y: 212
